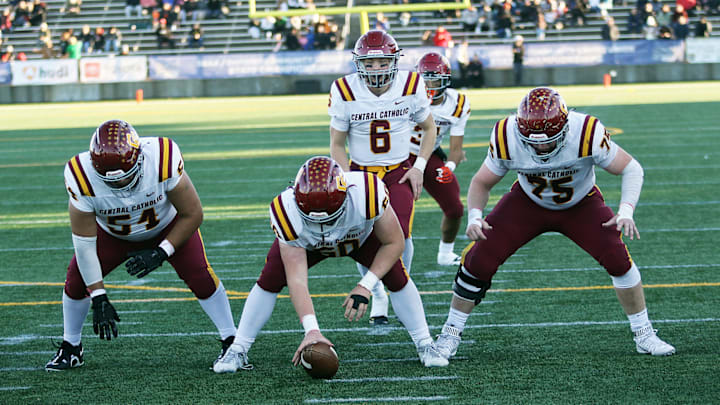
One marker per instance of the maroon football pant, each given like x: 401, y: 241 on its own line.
x: 401, y: 195
x: 189, y: 261
x: 516, y: 220
x: 447, y: 195
x: 273, y: 278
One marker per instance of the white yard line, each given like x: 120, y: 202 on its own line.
x: 381, y: 399
x: 392, y: 379
x: 14, y: 388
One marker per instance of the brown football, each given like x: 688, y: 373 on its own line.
x: 320, y: 360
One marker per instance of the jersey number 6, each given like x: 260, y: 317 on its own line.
x: 380, y: 136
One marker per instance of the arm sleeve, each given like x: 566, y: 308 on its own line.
x: 87, y: 258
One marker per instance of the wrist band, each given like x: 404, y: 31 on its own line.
x: 309, y: 323
x: 450, y: 165
x: 167, y: 247
x: 625, y: 211
x: 474, y: 215
x: 420, y: 164
x: 369, y: 281
x: 95, y: 293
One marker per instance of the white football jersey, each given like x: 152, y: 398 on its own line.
x: 379, y: 127
x: 366, y: 202
x: 450, y: 117
x: 135, y: 215
x: 568, y: 176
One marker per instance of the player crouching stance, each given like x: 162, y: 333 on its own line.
x: 554, y: 152
x: 130, y: 198
x: 329, y: 213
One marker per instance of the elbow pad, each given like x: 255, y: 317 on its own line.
x: 87, y: 258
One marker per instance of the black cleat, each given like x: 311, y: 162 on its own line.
x: 67, y: 356
x: 379, y: 320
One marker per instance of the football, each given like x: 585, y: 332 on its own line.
x: 320, y: 360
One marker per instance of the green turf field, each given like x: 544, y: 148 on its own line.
x: 550, y: 331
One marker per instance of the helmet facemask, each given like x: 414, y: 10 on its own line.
x: 435, y: 84
x: 117, y: 179
x: 376, y: 78
x: 544, y: 139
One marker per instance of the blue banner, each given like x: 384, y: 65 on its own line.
x: 5, y: 73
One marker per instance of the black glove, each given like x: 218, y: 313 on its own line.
x: 142, y: 262
x: 104, y: 317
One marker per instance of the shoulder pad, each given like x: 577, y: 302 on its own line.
x: 344, y: 89
x: 460, y: 106
x: 284, y: 228
x: 411, y: 84
x: 587, y: 133
x: 81, y: 178
x: 499, y: 141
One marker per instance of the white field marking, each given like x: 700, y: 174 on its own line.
x: 447, y: 303
x: 26, y: 353
x: 675, y: 168
x: 86, y: 325
x: 12, y: 340
x: 379, y: 399
x: 21, y: 368
x: 154, y: 311
x: 469, y: 342
x: 392, y: 379
x: 449, y: 282
x: 363, y: 360
x: 14, y: 388
x: 471, y: 314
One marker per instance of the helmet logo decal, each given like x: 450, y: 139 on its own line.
x: 340, y: 183
x: 133, y: 139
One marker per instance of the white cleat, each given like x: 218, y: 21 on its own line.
x: 448, y: 341
x: 448, y: 259
x: 647, y: 342
x: 431, y: 357
x: 231, y: 361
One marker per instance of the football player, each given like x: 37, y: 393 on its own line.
x: 130, y: 198
x: 554, y: 152
x: 374, y: 111
x: 329, y: 213
x: 450, y: 110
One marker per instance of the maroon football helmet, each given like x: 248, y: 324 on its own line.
x: 435, y: 69
x: 116, y: 155
x: 376, y: 44
x: 542, y: 118
x: 320, y: 190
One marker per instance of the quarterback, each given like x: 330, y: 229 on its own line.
x: 130, y: 199
x: 329, y: 213
x: 374, y: 111
x: 554, y: 152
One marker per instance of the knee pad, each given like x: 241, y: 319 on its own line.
x: 628, y: 280
x: 468, y: 287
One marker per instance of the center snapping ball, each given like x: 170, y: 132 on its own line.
x: 320, y: 360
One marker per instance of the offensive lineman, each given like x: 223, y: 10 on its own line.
x: 329, y: 213
x: 375, y: 110
x: 131, y: 198
x: 554, y: 152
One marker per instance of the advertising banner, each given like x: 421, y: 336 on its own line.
x: 5, y: 73
x: 703, y: 50
x: 113, y: 69
x: 48, y: 71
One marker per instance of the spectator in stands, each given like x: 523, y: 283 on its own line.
x: 679, y: 11
x: 38, y: 15
x: 634, y: 22
x: 322, y: 38
x: 426, y: 38
x: 610, y: 31
x: 148, y: 6
x: 578, y: 9
x: 22, y: 14
x: 469, y: 19
x: 10, y: 55
x: 254, y: 29
x: 45, y: 46
x: 463, y: 60
x: 164, y: 35
x: 296, y: 4
x: 475, y: 74
x: 74, y: 48
x: 113, y: 39
x: 443, y: 38
x: 518, y: 50
x: 6, y: 20
x: 218, y: 9
x: 64, y: 43
x: 703, y: 28
x: 195, y: 38
x: 651, y: 29
x: 267, y: 25
x: 292, y: 40
x: 664, y: 16
x: 124, y: 50
x: 194, y: 9
x: 309, y: 34
x: 71, y: 7
x: 712, y: 7
x: 665, y: 32
x: 382, y: 22
x: 505, y: 23
x: 133, y: 5
x: 86, y: 39
x: 541, y: 27
x: 681, y: 28
x: 689, y: 6
x: 99, y: 39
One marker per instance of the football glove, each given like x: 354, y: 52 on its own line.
x: 445, y: 175
x: 142, y: 262
x: 104, y: 317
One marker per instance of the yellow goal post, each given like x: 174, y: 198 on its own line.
x: 362, y: 10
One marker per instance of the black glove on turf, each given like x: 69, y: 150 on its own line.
x: 142, y: 262
x: 104, y: 317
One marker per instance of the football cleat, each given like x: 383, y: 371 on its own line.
x: 430, y: 356
x: 67, y: 356
x: 647, y: 342
x: 379, y: 320
x: 448, y: 341
x: 226, y: 343
x: 448, y: 259
x: 231, y: 361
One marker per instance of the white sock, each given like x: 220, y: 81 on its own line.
x: 446, y: 248
x: 457, y: 319
x: 74, y: 314
x: 409, y: 309
x: 256, y: 312
x: 639, y: 320
x: 407, y: 256
x: 217, y: 307
x: 380, y: 302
